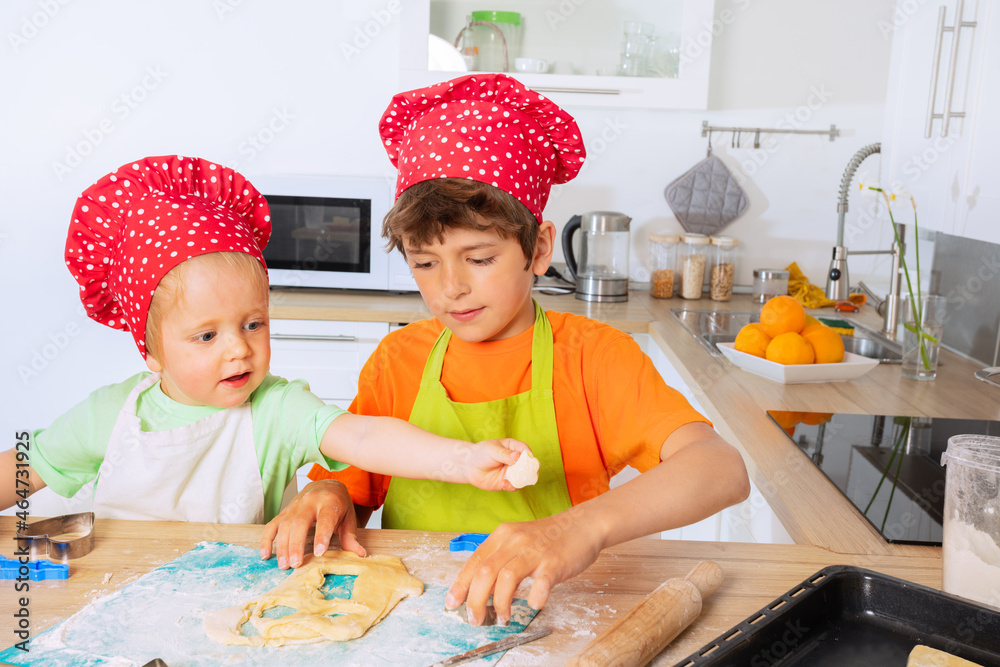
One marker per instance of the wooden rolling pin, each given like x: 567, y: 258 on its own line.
x: 636, y: 637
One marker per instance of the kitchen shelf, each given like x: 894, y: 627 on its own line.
x: 688, y: 91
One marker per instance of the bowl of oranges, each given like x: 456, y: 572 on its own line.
x: 791, y: 347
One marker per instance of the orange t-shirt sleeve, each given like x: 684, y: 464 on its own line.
x: 359, y: 483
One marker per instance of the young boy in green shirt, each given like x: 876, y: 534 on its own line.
x: 169, y: 249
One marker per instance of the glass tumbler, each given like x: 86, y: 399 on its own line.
x: 923, y: 323
x: 636, y: 47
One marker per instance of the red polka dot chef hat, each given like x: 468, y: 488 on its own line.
x: 134, y: 225
x: 485, y: 127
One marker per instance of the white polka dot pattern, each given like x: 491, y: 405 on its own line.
x: 485, y: 127
x: 136, y: 224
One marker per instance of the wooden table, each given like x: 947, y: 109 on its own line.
x: 576, y: 611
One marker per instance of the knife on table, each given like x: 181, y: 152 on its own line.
x: 495, y: 647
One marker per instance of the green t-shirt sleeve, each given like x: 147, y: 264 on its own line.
x: 289, y: 422
x: 68, y: 454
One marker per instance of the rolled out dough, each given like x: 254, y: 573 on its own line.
x: 381, y: 582
x: 925, y: 656
x: 524, y: 472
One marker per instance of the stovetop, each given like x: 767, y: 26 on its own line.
x: 888, y: 466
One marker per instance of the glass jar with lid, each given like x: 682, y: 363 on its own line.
x: 723, y: 271
x: 497, y: 40
x: 662, y: 263
x: 769, y: 283
x: 691, y: 260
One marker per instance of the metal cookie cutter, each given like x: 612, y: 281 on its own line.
x: 60, y: 538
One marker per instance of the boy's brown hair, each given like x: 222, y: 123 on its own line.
x: 426, y: 210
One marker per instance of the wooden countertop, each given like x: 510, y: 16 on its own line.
x: 578, y: 610
x: 810, y: 507
x: 369, y: 306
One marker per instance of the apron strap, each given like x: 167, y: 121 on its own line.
x: 541, y: 345
x: 435, y: 360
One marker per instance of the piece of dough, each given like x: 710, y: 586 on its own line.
x: 925, y: 656
x: 524, y: 472
x: 381, y: 582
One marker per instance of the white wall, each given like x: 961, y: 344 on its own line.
x: 90, y: 86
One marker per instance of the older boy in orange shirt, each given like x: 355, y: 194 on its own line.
x: 476, y: 158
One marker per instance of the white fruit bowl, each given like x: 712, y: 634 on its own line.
x: 853, y: 366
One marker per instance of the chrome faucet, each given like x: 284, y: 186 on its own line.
x: 838, y: 277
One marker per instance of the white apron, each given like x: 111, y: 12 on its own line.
x: 205, y: 471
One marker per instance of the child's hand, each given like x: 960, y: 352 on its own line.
x: 327, y: 504
x: 489, y: 461
x: 549, y: 551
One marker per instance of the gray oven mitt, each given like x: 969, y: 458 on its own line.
x: 707, y: 197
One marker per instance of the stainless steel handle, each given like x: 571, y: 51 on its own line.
x: 950, y: 89
x: 987, y: 375
x: 956, y: 29
x: 592, y: 91
x: 934, y: 72
x: 316, y: 337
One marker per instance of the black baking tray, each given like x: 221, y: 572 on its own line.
x: 845, y: 615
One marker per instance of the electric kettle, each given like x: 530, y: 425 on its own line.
x: 602, y: 271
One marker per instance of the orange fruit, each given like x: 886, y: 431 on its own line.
x: 782, y: 314
x: 786, y: 419
x: 811, y: 320
x: 816, y: 418
x: 752, y: 340
x: 790, y: 348
x: 826, y: 343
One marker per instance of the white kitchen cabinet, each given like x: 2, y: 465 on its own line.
x: 328, y: 355
x: 753, y: 520
x: 940, y: 133
x: 578, y: 38
x: 979, y: 198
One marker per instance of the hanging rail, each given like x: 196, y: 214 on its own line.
x: 707, y: 130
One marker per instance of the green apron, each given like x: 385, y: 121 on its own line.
x: 530, y: 417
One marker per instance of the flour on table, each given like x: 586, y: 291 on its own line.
x: 381, y: 582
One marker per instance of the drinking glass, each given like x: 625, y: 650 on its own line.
x: 635, y: 48
x: 922, y: 329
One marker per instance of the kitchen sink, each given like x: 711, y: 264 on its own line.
x: 862, y: 345
x: 710, y: 327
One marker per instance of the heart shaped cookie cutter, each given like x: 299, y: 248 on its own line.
x: 59, y: 538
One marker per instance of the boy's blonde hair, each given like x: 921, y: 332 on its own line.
x: 171, y: 287
x: 426, y: 210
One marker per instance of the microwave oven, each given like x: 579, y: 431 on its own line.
x: 326, y: 232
